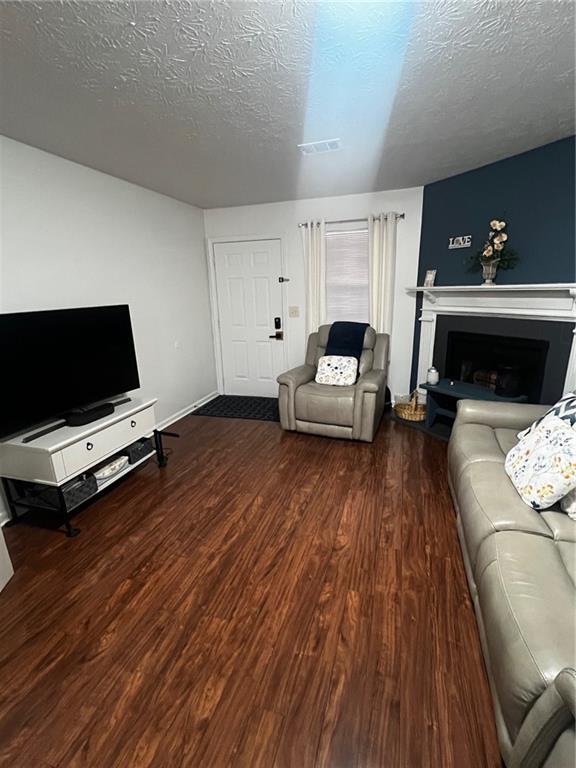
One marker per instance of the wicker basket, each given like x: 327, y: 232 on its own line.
x: 412, y: 410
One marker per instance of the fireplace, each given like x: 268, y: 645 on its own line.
x: 509, y: 366
x: 512, y: 357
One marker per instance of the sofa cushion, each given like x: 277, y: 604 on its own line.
x: 561, y: 526
x: 562, y: 753
x: 470, y: 443
x: 526, y: 598
x: 568, y: 504
x: 324, y: 404
x: 563, y: 529
x: 506, y: 439
x: 567, y: 551
x: 488, y: 502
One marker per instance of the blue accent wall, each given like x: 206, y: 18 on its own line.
x: 534, y: 192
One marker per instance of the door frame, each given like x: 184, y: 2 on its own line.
x: 214, y: 301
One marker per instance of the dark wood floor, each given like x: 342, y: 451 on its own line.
x: 268, y: 599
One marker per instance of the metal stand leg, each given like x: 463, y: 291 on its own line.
x: 70, y: 530
x: 158, y: 435
x: 9, y: 499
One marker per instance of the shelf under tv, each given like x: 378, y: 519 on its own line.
x: 54, y: 459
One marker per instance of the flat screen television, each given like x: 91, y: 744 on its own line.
x: 57, y: 360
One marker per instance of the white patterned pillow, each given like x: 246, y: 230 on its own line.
x: 337, y: 370
x: 542, y: 466
x: 565, y: 409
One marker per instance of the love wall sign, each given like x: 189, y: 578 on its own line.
x: 462, y: 241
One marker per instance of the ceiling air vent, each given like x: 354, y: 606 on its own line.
x: 320, y: 147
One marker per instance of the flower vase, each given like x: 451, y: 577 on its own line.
x: 489, y: 270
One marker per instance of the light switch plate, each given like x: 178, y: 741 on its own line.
x: 293, y: 311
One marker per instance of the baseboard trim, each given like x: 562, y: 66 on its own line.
x: 187, y: 410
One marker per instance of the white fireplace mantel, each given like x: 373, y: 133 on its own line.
x: 534, y: 301
x: 499, y: 288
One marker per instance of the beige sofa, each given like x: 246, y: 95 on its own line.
x: 352, y: 412
x: 521, y: 568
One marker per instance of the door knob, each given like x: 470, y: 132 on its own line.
x: 279, y: 336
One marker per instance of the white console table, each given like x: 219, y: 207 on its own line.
x: 55, y: 458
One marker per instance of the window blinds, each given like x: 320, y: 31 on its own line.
x: 347, y: 270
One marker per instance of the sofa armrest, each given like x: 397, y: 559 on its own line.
x: 297, y: 376
x: 371, y: 381
x: 289, y: 383
x: 496, y: 414
x: 369, y: 399
x: 565, y: 684
x: 551, y: 714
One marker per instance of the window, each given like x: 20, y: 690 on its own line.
x: 347, y: 291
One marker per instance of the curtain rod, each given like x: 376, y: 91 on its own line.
x: 351, y: 221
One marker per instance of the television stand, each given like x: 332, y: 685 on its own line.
x: 78, y: 417
x: 38, y: 475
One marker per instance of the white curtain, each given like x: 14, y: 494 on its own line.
x: 382, y: 255
x: 314, y: 247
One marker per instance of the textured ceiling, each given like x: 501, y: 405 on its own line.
x: 206, y: 101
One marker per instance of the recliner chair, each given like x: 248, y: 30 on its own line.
x: 352, y: 412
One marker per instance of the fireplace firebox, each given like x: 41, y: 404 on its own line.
x: 510, y: 367
x: 513, y: 357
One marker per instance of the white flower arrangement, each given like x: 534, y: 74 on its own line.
x: 496, y: 249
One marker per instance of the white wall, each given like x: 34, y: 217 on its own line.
x: 72, y: 237
x: 281, y: 220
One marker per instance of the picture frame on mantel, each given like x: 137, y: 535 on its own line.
x: 430, y: 278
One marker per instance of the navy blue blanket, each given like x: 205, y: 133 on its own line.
x: 346, y: 339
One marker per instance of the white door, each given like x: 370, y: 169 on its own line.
x: 250, y: 315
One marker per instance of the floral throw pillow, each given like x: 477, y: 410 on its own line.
x: 542, y: 466
x: 565, y: 409
x: 337, y: 370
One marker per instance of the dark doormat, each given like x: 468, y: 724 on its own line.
x: 238, y: 407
